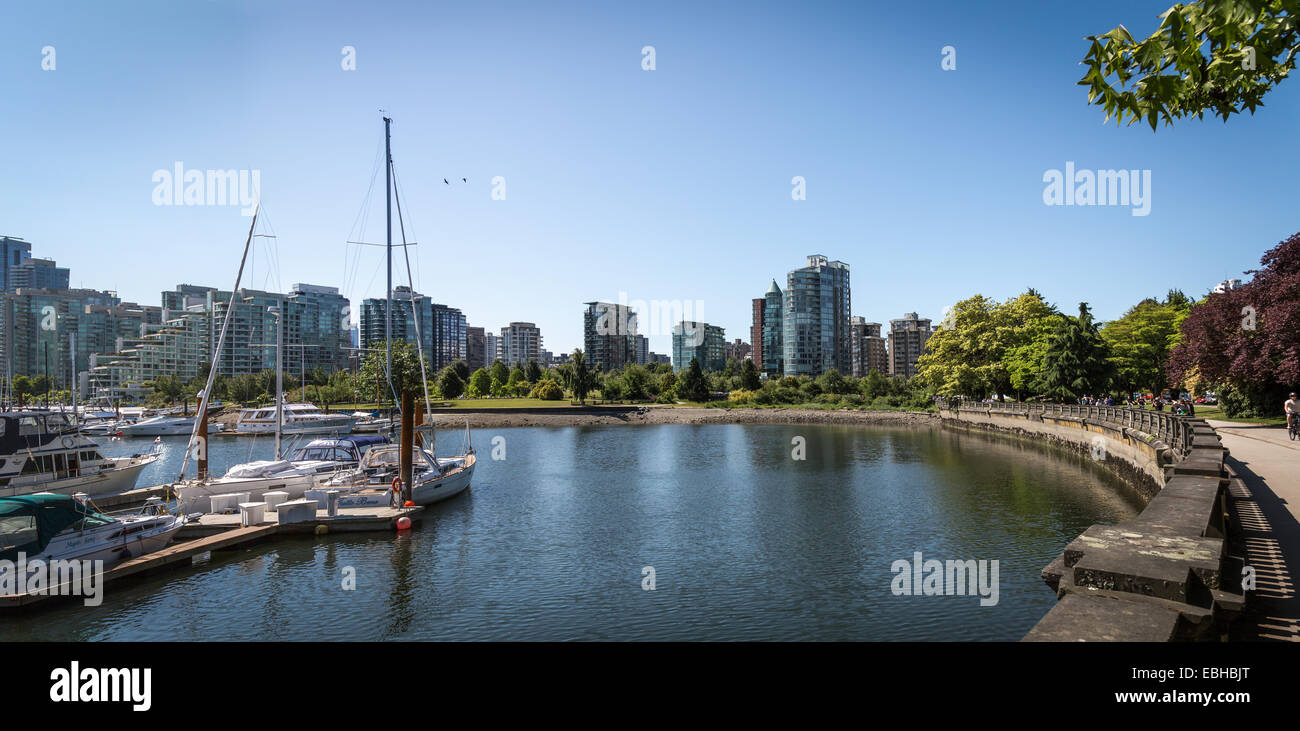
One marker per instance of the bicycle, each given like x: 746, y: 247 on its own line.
x: 1293, y: 430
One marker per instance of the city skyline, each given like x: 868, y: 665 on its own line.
x: 618, y: 177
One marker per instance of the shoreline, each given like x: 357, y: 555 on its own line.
x: 681, y: 415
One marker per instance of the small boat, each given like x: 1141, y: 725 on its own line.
x: 318, y: 460
x: 298, y: 419
x: 49, y: 527
x: 371, y: 484
x: 163, y: 426
x: 44, y: 452
x: 368, y: 423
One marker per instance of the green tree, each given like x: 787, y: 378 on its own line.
x: 461, y: 368
x: 583, y: 379
x: 635, y: 381
x: 692, y: 385
x: 170, y: 388
x: 533, y: 371
x: 450, y: 384
x: 1140, y: 341
x: 749, y: 376
x: 406, y: 372
x: 1077, y: 362
x: 547, y: 390
x: 500, y: 371
x: 1218, y: 56
x: 480, y: 383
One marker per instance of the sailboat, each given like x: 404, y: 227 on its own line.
x: 377, y: 481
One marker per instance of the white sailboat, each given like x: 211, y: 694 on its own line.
x: 376, y: 481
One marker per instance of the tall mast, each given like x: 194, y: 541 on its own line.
x: 388, y: 206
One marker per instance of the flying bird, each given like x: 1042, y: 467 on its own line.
x: 463, y: 180
x: 445, y: 181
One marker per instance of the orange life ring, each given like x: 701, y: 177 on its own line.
x: 397, y: 484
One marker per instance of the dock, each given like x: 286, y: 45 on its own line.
x: 225, y: 532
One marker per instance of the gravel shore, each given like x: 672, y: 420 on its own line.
x: 669, y: 415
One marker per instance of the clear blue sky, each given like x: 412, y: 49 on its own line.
x: 664, y: 184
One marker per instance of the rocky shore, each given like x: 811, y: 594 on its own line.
x: 681, y: 415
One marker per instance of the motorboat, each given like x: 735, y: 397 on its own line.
x: 48, y: 527
x: 41, y: 451
x: 298, y: 419
x: 163, y: 426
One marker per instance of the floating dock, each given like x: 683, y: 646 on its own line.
x: 224, y: 532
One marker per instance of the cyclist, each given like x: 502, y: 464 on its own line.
x: 1292, y: 407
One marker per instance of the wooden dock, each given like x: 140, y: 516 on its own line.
x: 348, y: 520
x: 224, y: 532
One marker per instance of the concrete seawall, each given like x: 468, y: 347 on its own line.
x: 1166, y: 574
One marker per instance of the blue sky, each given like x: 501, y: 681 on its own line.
x: 665, y: 184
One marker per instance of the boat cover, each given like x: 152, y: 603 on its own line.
x: 263, y: 468
x: 52, y: 514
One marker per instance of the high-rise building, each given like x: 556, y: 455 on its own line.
x: 815, y: 318
x: 491, y: 348
x: 476, y: 348
x: 869, y: 352
x: 907, y: 337
x: 772, y: 340
x: 20, y: 269
x: 1227, y: 285
x: 701, y: 341
x: 609, y: 335
x: 319, y: 320
x: 521, y: 342
x: 642, y: 349
x: 756, y: 330
x: 38, y: 326
x: 441, y: 329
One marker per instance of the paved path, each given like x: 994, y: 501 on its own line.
x: 1267, y: 502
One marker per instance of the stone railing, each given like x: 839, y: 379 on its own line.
x: 1163, y: 575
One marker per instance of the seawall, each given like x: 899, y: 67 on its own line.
x: 1165, y: 575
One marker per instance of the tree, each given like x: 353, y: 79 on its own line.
x: 985, y: 347
x: 1077, y: 359
x: 1208, y: 55
x: 449, y: 383
x: 500, y: 371
x: 635, y: 382
x: 170, y: 388
x: 533, y: 371
x: 480, y: 383
x: 832, y: 381
x: 1247, y: 338
x: 1140, y: 341
x: 547, y: 390
x: 22, y: 387
x: 749, y: 376
x: 583, y: 379
x: 407, y: 374
x: 461, y: 368
x: 692, y: 385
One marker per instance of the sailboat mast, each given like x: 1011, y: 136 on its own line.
x: 388, y: 207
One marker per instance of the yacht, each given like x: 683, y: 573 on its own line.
x: 298, y: 419
x: 162, y: 426
x: 318, y: 460
x: 49, y: 527
x: 43, y: 452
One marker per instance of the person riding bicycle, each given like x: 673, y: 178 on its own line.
x: 1292, y: 407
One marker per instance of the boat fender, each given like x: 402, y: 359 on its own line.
x: 69, y: 442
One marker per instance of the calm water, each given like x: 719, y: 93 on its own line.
x: 549, y: 544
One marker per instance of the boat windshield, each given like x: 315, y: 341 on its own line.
x: 329, y: 454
